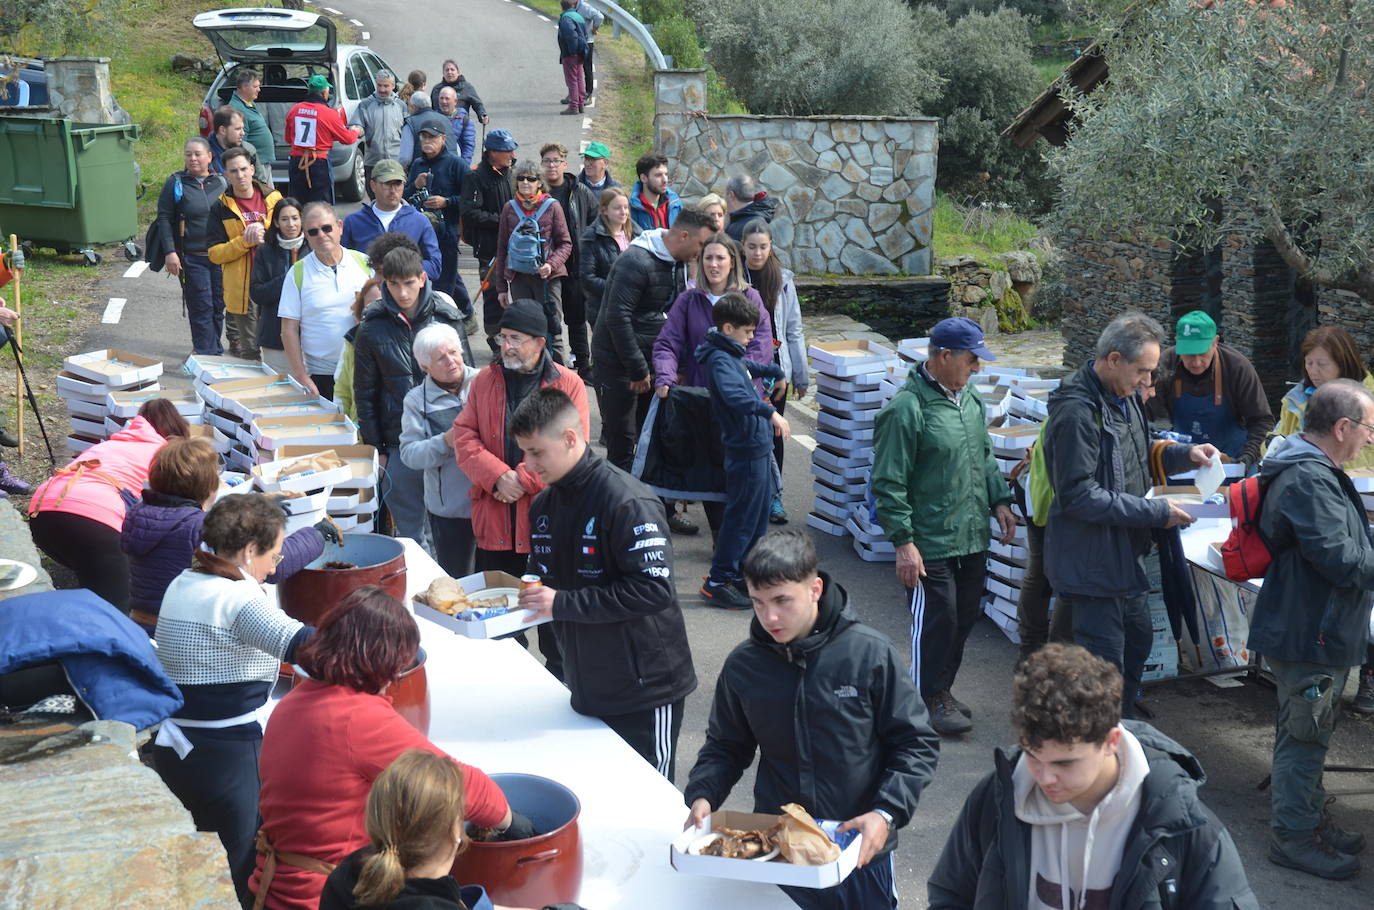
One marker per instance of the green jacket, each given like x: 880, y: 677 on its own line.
x: 934, y: 478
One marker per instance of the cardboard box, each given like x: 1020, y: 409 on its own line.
x: 1362, y: 478
x: 841, y: 462
x: 126, y: 403
x: 850, y: 477
x: 1009, y: 552
x: 859, y: 427
x: 848, y: 388
x: 113, y: 368
x: 84, y: 426
x: 1012, y: 442
x: 361, y: 460
x: 836, y: 495
x: 1230, y: 469
x: 914, y: 349
x: 345, y: 501
x: 209, y: 369
x: 70, y: 385
x: 835, y: 512
x: 513, y: 621
x: 826, y: 524
x: 1188, y: 498
x: 310, y: 430
x: 313, y: 501
x: 1005, y: 570
x: 858, y: 447
x: 873, y: 552
x: 243, y: 404
x: 91, y: 410
x: 1002, y: 588
x: 853, y: 403
x: 78, y: 443
x: 776, y: 872
x: 214, y: 394
x: 266, y: 407
x: 299, y: 520
x: 267, y: 480
x: 1018, y: 537
x: 844, y: 359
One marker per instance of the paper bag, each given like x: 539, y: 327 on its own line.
x: 802, y: 841
x: 320, y: 461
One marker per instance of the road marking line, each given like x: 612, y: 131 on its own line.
x: 113, y: 310
x: 591, y: 102
x: 545, y: 18
x: 138, y: 268
x: 582, y: 146
x: 330, y: 9
x: 586, y: 123
x: 356, y: 22
x: 807, y: 442
x: 367, y: 36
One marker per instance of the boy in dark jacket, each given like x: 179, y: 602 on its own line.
x: 747, y: 426
x: 1090, y: 811
x: 598, y: 540
x: 832, y: 710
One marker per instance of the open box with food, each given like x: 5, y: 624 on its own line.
x: 481, y: 605
x: 361, y: 461
x: 305, y: 474
x: 762, y: 846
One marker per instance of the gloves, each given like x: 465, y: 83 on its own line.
x: 521, y: 828
x: 329, y: 531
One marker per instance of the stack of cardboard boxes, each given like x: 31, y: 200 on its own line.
x: 86, y: 382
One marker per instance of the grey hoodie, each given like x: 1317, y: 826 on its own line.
x: 429, y: 413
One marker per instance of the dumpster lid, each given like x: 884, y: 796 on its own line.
x: 268, y: 35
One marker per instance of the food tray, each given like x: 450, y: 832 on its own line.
x: 775, y: 872
x: 482, y: 585
x: 265, y: 476
x: 208, y: 369
x: 113, y: 368
x: 307, y: 430
x: 214, y: 394
x: 362, y: 461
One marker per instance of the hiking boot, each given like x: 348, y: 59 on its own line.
x: 681, y: 524
x: 959, y: 706
x: 12, y: 484
x: 570, y: 110
x: 1306, y: 853
x: 1364, y: 696
x: 945, y: 719
x: 776, y: 513
x: 565, y: 100
x: 7, y: 439
x: 1336, y: 837
x: 726, y: 596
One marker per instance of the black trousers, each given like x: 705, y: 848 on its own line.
x: 491, y: 304
x: 575, y: 314
x: 454, y: 544
x: 513, y: 563
x: 218, y: 784
x: 944, y: 610
x: 869, y: 888
x: 1116, y: 629
x: 1033, y: 607
x: 324, y: 383
x: 549, y: 295
x: 652, y: 733
x: 87, y: 547
x: 587, y: 67
x: 622, y: 417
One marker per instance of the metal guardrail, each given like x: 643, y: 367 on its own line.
x: 622, y: 20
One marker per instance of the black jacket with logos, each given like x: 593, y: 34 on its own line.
x: 485, y: 193
x: 600, y: 539
x: 578, y: 211
x: 640, y: 288
x: 384, y: 367
x: 835, y: 717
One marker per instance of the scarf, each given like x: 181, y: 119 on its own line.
x: 531, y: 206
x: 293, y: 244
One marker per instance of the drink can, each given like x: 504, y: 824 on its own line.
x: 530, y: 581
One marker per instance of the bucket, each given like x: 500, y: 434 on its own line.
x: 541, y: 870
x: 379, y: 560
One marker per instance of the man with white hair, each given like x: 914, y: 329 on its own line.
x: 381, y: 116
x: 460, y: 122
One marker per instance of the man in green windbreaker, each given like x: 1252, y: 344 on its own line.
x: 935, y: 482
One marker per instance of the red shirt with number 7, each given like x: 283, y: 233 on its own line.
x: 315, y: 125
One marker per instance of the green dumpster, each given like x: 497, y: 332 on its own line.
x: 69, y: 186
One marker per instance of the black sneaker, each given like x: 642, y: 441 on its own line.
x: 945, y: 719
x: 681, y: 524
x: 957, y: 705
x: 1308, y: 854
x: 1363, y: 702
x: 726, y: 596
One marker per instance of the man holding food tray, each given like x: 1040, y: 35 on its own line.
x: 599, y: 544
x: 833, y: 712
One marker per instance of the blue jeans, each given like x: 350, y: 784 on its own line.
x: 319, y: 186
x: 204, y: 296
x: 749, y: 488
x: 1116, y: 629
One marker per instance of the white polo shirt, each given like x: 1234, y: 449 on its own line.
x: 324, y: 306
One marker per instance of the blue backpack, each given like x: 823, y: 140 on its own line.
x: 525, y: 248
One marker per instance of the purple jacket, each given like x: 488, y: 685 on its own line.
x: 161, y: 532
x: 689, y: 319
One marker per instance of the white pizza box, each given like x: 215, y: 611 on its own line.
x: 208, y: 369
x: 113, y: 368
x: 1011, y: 420
x: 223, y: 420
x: 840, y: 461
x: 367, y: 503
x: 232, y: 483
x: 114, y: 424
x: 1001, y: 588
x: 242, y: 403
x: 313, y: 501
x: 267, y: 478
x: 916, y: 349
x: 997, y: 373
x: 297, y: 521
x: 85, y: 426
x: 850, y: 478
x: 856, y: 402
x: 343, y: 501
x: 859, y: 429
x: 875, y: 542
x: 214, y: 394
x: 279, y: 404
x: 1028, y: 407
x: 777, y: 873
x: 826, y: 524
x: 335, y: 430
x: 91, y: 410
x: 1018, y: 536
x: 240, y: 459
x: 996, y: 404
x: 364, y: 525
x: 361, y: 460
x: 345, y: 522
x: 889, y: 388
x: 221, y: 440
x: 1362, y: 478
x: 1010, y: 627
x: 514, y: 621
x: 70, y: 385
x: 79, y: 442
x: 844, y: 444
x: 1005, y: 464
x: 1006, y: 571
x: 834, y: 385
x: 1009, y: 552
x: 125, y: 403
x: 1031, y: 383
x: 844, y: 359
x: 1189, y: 499
x: 1003, y: 605
x: 1013, y: 441
x: 838, y: 496
x: 201, y: 431
x: 874, y: 552
x: 829, y: 509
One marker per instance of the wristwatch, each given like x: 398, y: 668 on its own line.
x: 885, y: 816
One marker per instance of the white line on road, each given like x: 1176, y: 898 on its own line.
x: 138, y: 268
x: 356, y: 22
x: 367, y: 36
x: 807, y: 442
x: 545, y: 18
x: 330, y: 9
x: 591, y: 102
x: 586, y: 123
x: 113, y: 310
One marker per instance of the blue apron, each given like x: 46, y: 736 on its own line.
x: 1209, y: 418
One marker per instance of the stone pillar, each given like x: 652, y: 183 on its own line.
x: 79, y: 90
x: 678, y: 94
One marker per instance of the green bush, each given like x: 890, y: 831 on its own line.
x: 677, y: 38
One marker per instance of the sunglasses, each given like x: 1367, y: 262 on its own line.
x: 526, y: 179
x: 327, y: 228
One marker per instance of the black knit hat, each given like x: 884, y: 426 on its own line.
x: 526, y: 316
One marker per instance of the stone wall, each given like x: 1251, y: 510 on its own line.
x: 1104, y: 279
x: 855, y: 195
x: 895, y: 307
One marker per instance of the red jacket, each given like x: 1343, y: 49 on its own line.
x: 479, y: 442
x: 317, y: 121
x: 323, y: 747
x: 89, y: 486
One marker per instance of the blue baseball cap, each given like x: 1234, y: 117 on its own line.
x: 500, y: 140
x: 958, y: 333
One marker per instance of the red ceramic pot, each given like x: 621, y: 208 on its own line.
x: 542, y: 870
x: 379, y: 560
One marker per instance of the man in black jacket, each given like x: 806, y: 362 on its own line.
x: 832, y: 710
x: 438, y: 175
x: 642, y: 284
x: 579, y: 210
x: 488, y: 188
x: 1091, y: 810
x: 597, y: 540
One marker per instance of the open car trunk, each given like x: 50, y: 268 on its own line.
x: 283, y: 87
x: 261, y: 35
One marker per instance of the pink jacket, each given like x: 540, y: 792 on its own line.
x: 92, y: 481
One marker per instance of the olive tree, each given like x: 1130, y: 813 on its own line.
x: 1225, y: 118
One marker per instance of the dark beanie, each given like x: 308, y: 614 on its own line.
x: 526, y: 316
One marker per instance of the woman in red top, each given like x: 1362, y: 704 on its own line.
x: 330, y: 738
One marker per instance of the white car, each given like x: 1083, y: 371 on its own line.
x: 287, y: 47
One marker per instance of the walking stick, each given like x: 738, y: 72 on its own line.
x: 17, y: 262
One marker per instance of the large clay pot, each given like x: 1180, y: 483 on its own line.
x: 409, y: 695
x: 380, y: 560
x: 543, y: 870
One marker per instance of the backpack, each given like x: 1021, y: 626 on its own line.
x: 525, y: 247
x: 1245, y: 554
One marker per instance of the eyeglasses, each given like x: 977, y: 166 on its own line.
x: 277, y: 558
x: 513, y: 341
x: 327, y: 228
x: 1362, y: 423
x: 553, y: 161
x: 526, y: 179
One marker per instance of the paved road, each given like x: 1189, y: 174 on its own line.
x: 509, y: 54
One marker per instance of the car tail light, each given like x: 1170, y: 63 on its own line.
x: 206, y: 118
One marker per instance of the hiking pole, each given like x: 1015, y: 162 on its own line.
x: 8, y: 337
x: 17, y: 262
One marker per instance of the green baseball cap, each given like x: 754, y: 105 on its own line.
x: 317, y: 83
x: 387, y: 170
x: 596, y: 150
x: 1194, y: 333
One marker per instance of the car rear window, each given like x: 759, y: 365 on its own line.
x: 307, y: 40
